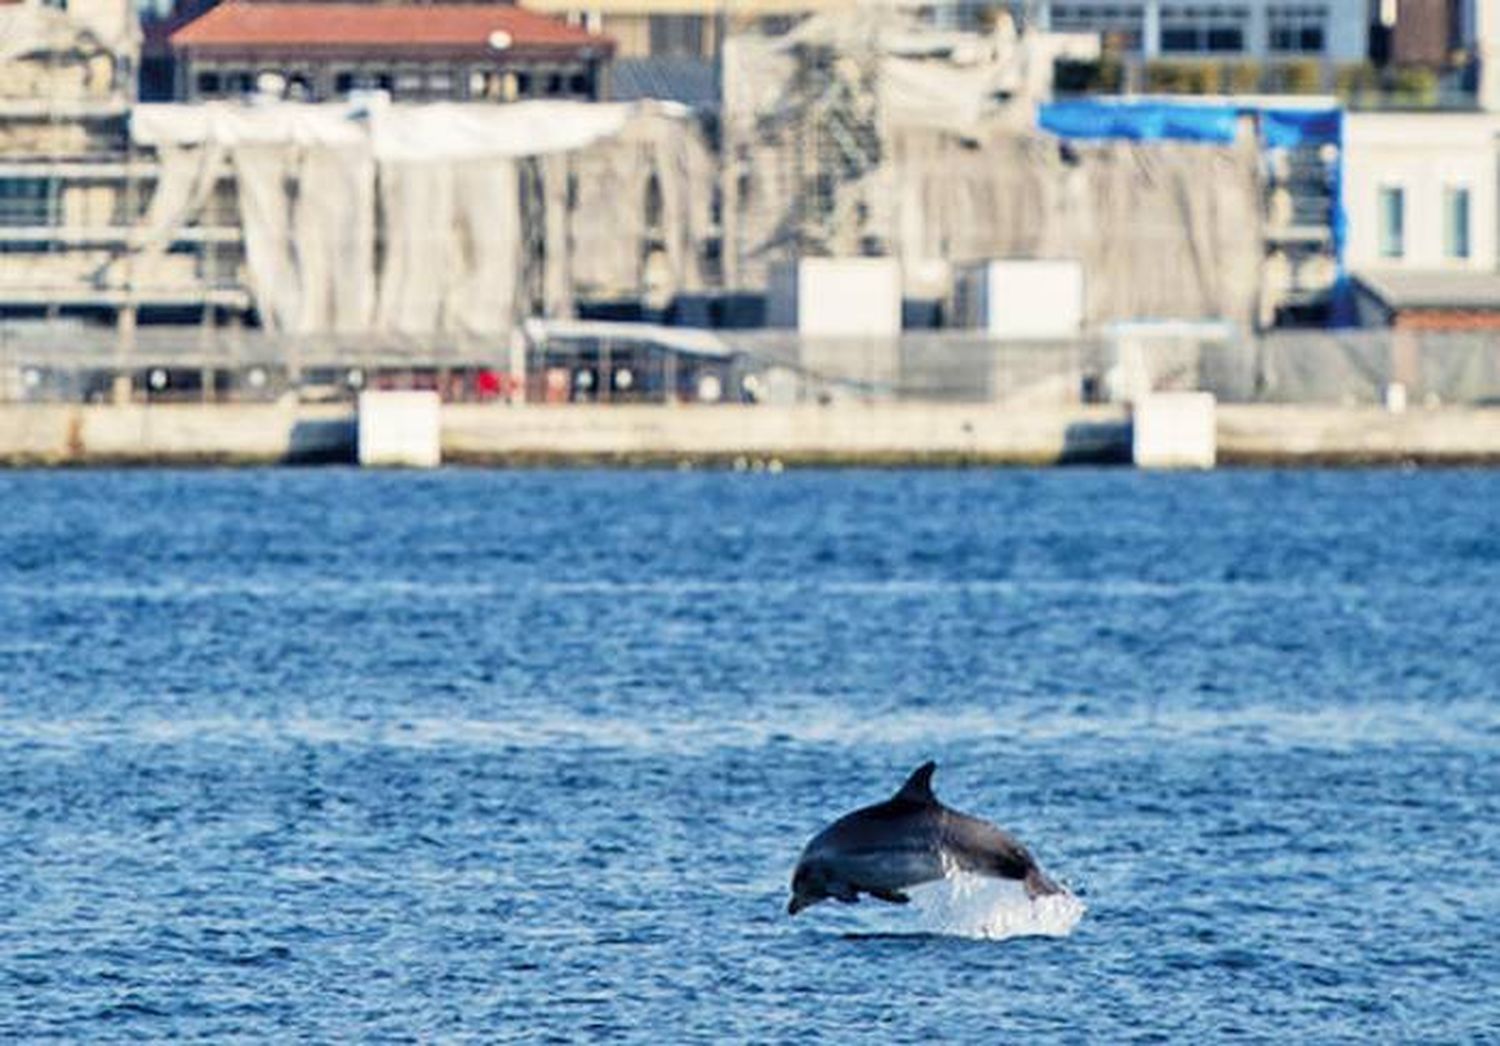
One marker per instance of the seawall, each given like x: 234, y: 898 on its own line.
x: 175, y: 434
x: 853, y: 434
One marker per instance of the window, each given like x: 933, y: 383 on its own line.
x: 1456, y: 222
x: 1122, y: 23
x: 677, y: 36
x: 1203, y: 30
x: 27, y: 202
x: 1226, y: 38
x: 1296, y: 29
x: 408, y: 84
x: 1392, y: 222
x: 209, y: 84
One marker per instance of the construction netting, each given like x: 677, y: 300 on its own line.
x: 858, y: 134
x: 438, y: 218
x: 928, y: 366
x: 1124, y: 363
x: 1345, y: 367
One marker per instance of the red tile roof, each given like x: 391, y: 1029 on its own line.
x: 281, y: 27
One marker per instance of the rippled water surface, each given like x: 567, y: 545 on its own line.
x: 483, y: 756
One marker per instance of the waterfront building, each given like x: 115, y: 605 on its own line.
x: 70, y: 191
x: 413, y: 52
x: 1420, y: 191
x: 680, y: 29
x: 1324, y: 30
x: 1420, y: 197
x: 1427, y: 301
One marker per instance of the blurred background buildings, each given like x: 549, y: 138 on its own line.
x: 308, y: 178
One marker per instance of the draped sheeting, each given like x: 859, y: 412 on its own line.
x: 367, y: 216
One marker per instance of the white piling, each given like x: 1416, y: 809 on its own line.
x: 1174, y: 430
x: 400, y: 429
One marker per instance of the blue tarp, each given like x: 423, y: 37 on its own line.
x: 1158, y: 120
x: 1139, y: 121
x: 1289, y: 128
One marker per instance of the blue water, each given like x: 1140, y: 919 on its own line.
x: 488, y: 756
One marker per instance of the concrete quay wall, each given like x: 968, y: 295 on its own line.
x: 849, y: 433
x: 1292, y: 435
x: 881, y: 434
x: 174, y: 434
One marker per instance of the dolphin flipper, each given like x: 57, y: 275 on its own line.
x: 894, y: 896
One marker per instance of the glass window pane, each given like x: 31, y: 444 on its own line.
x: 1392, y: 223
x: 26, y: 202
x: 1456, y: 222
x: 1179, y: 40
x: 1224, y: 38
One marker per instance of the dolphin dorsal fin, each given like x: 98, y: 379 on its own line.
x: 918, y: 787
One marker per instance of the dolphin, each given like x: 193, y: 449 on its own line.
x: 909, y: 839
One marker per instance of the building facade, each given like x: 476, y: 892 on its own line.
x: 1420, y: 191
x: 679, y: 28
x: 415, y: 53
x: 70, y: 189
x: 1327, y: 30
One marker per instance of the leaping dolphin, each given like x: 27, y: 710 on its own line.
x: 909, y: 839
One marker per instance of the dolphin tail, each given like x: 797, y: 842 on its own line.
x: 1038, y: 885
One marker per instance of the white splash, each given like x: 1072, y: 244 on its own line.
x: 968, y: 905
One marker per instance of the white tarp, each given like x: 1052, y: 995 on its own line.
x: 234, y: 124
x: 449, y: 221
x: 474, y: 132
x: 396, y: 133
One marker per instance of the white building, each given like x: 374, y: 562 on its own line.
x: 1420, y: 191
x: 1332, y: 30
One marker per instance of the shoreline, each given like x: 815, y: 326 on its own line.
x: 903, y: 435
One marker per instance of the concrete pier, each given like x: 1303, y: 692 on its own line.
x: 879, y: 434
x: 1296, y: 435
x: 847, y: 434
x: 179, y: 434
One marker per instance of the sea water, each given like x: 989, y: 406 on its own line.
x: 490, y: 756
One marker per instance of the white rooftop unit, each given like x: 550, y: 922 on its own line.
x: 1017, y: 299
x: 836, y: 297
